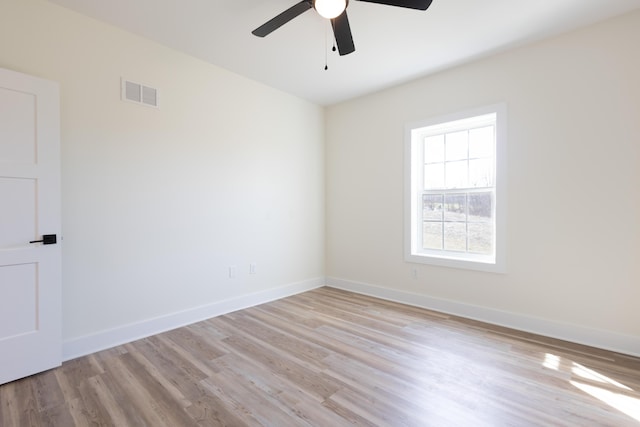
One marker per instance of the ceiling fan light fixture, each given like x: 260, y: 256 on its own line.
x: 330, y: 8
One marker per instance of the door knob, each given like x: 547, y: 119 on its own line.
x: 47, y: 239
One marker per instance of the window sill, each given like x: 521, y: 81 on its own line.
x: 459, y: 263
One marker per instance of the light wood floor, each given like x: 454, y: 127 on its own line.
x: 333, y: 358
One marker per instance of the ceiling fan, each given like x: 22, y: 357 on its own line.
x: 336, y: 11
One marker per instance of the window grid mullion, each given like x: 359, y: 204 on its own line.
x: 445, y: 192
x: 466, y: 222
x: 420, y: 204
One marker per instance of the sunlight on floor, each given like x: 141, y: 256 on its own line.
x: 551, y: 361
x: 620, y: 401
x: 590, y: 374
x: 626, y: 404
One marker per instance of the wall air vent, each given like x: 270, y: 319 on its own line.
x: 139, y: 93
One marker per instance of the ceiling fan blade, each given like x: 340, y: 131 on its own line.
x: 342, y: 33
x: 283, y: 18
x: 411, y: 4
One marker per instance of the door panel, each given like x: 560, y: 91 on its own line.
x: 30, y: 273
x: 17, y: 216
x: 19, y: 281
x: 17, y: 125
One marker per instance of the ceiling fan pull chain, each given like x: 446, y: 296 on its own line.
x: 326, y: 49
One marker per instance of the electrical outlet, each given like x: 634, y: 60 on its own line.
x: 252, y: 269
x: 414, y: 273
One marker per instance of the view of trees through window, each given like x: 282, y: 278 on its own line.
x: 458, y: 191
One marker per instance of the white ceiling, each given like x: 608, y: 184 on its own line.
x: 393, y: 45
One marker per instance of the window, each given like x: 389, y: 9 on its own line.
x: 455, y: 201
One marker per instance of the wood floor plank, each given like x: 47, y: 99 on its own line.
x: 133, y: 394
x: 285, y: 394
x: 56, y: 416
x: 328, y: 357
x: 195, y: 367
x: 209, y: 410
x: 134, y: 416
x: 257, y: 408
x: 9, y: 412
x: 197, y: 347
x: 99, y: 405
x: 305, y: 351
x: 180, y: 383
x: 278, y: 362
x: 27, y: 413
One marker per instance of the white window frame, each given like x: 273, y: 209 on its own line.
x: 413, y: 168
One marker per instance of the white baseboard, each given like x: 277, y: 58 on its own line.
x: 626, y: 344
x: 88, y: 344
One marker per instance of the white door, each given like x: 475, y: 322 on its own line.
x: 30, y: 273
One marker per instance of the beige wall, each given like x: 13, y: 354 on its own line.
x: 573, y: 174
x: 158, y: 203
